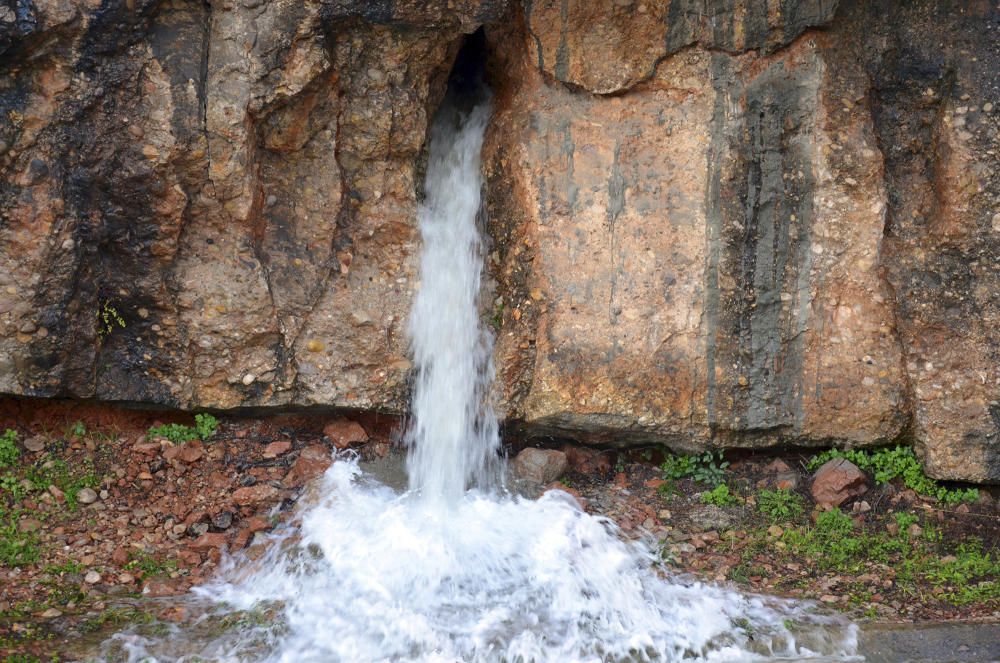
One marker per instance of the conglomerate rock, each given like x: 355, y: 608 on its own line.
x: 723, y: 223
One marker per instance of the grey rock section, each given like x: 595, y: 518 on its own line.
x: 931, y: 643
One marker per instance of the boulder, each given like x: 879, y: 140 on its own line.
x: 541, y: 466
x: 837, y: 481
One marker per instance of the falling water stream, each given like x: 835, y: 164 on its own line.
x: 455, y: 568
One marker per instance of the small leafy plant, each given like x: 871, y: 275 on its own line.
x: 720, y: 496
x: 205, y: 426
x: 16, y: 548
x: 107, y: 318
x: 887, y: 464
x: 780, y: 505
x: 707, y: 468
x: 9, y: 453
x: 78, y: 429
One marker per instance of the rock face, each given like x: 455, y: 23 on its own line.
x: 212, y: 204
x: 737, y: 230
x: 702, y: 253
x: 713, y: 224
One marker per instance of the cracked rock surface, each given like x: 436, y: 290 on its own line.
x: 732, y: 223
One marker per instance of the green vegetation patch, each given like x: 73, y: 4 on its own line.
x: 720, y: 496
x: 780, y: 505
x: 205, y: 426
x: 9, y: 453
x: 706, y: 468
x: 887, y: 464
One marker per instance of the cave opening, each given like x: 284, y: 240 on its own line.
x: 467, y: 80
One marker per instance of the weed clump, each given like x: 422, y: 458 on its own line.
x: 205, y: 426
x: 887, y: 464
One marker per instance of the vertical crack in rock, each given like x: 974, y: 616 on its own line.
x: 616, y: 203
x: 722, y: 84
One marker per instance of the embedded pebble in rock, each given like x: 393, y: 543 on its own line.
x: 86, y: 496
x: 837, y: 481
x: 540, y: 465
x: 92, y: 578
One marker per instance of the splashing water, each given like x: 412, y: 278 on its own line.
x: 445, y: 573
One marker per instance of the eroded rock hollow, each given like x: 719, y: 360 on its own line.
x: 732, y: 223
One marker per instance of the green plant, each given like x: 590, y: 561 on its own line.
x: 780, y: 505
x: 16, y: 548
x: 78, y: 429
x: 148, y: 566
x: 720, y: 496
x: 205, y: 426
x: 11, y: 484
x: 107, y: 318
x: 707, y: 468
x: 831, y: 543
x: 55, y: 472
x: 887, y: 464
x: 9, y: 453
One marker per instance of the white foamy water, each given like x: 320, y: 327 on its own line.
x: 445, y: 573
x: 453, y: 436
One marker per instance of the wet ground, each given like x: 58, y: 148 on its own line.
x: 165, y: 512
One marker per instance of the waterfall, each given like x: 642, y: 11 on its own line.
x: 453, y: 436
x: 441, y: 573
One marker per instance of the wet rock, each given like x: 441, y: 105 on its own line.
x: 312, y: 462
x: 86, y: 496
x: 541, y: 466
x: 160, y: 587
x: 837, y: 481
x: 345, y: 433
x: 208, y: 541
x: 254, y: 495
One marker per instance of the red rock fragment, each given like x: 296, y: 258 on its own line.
x: 275, y: 449
x: 253, y: 495
x: 208, y: 541
x: 312, y: 462
x: 344, y: 433
x: 189, y: 452
x: 837, y: 481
